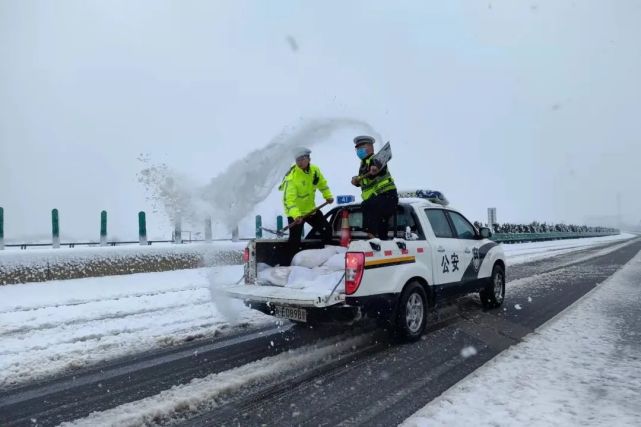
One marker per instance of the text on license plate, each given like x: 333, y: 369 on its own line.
x: 299, y: 314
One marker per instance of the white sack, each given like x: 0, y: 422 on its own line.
x: 276, y: 276
x: 311, y: 258
x: 320, y: 278
x: 336, y: 262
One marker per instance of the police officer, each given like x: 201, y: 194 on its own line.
x: 299, y: 190
x: 378, y: 190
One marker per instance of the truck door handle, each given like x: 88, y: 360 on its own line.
x: 440, y: 249
x: 467, y: 250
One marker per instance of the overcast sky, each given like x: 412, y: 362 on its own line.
x: 531, y: 107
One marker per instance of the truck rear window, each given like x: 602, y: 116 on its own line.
x: 404, y: 218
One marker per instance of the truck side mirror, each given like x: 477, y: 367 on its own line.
x: 485, y: 232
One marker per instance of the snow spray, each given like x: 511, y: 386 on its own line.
x: 234, y: 193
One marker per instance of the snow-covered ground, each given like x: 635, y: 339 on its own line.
x: 581, y: 368
x: 54, y: 326
x: 519, y: 253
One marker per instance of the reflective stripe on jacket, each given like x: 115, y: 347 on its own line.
x: 378, y: 184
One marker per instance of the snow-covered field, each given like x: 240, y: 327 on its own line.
x: 53, y: 326
x: 581, y: 368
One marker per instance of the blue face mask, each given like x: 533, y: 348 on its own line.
x: 361, y: 152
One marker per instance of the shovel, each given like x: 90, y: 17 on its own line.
x: 281, y: 232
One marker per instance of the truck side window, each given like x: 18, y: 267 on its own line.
x: 464, y: 229
x: 439, y: 223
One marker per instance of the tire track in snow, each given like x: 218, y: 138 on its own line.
x: 213, y: 390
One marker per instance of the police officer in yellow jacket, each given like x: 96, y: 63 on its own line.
x: 299, y: 190
x: 380, y: 198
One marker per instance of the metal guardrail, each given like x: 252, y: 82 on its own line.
x: 142, y: 233
x: 540, y: 237
x: 497, y: 237
x: 133, y: 242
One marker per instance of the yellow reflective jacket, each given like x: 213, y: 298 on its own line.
x: 299, y: 190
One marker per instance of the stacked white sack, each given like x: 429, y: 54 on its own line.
x: 318, y: 269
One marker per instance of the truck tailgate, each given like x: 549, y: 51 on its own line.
x: 286, y: 296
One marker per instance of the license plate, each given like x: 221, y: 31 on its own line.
x: 292, y: 313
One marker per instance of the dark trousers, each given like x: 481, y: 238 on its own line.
x: 317, y: 221
x: 377, y: 212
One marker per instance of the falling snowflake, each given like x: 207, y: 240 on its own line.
x: 468, y: 351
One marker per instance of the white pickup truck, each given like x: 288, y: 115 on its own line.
x: 440, y: 255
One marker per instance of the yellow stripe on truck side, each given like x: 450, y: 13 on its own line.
x: 387, y: 262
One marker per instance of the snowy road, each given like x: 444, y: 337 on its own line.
x: 312, y: 376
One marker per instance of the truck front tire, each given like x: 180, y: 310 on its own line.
x: 411, y: 315
x: 494, y: 293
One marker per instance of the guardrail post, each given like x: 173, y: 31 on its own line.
x: 259, y: 227
x: 279, y: 222
x: 178, y: 232
x: 234, y: 234
x: 142, y: 228
x: 103, y: 228
x: 208, y: 229
x: 1, y: 228
x: 55, y: 229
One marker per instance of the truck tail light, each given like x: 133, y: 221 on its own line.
x: 246, y: 255
x: 354, y: 266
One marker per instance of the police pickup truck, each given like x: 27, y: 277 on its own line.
x: 435, y: 255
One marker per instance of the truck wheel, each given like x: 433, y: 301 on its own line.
x: 494, y: 293
x: 412, y: 312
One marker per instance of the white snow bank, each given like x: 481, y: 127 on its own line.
x: 52, y: 326
x: 52, y: 264
x: 518, y: 253
x: 581, y: 368
x: 38, y: 256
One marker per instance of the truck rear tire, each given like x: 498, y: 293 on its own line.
x: 411, y: 315
x: 494, y: 293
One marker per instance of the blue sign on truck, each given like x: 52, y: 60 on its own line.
x: 341, y: 200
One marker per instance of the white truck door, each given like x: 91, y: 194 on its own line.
x: 446, y: 249
x: 470, y: 245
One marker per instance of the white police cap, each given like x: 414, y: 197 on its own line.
x: 301, y: 152
x: 363, y: 139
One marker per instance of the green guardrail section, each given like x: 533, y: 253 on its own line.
x: 536, y: 237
